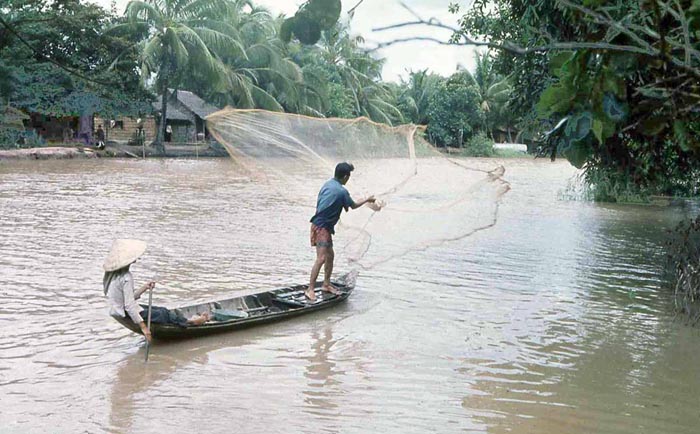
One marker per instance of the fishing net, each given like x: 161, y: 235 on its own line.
x: 424, y: 199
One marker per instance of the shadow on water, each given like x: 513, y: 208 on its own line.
x: 139, y: 384
x: 322, y: 375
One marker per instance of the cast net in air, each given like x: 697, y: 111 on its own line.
x: 425, y: 198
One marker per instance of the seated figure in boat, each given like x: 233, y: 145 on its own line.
x: 119, y: 288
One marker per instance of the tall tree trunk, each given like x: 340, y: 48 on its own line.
x: 160, y: 136
x: 85, y: 129
x: 164, y: 74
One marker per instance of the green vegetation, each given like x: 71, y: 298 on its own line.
x: 229, y: 52
x: 624, y: 76
x: 54, y: 59
x: 312, y: 18
x: 683, y: 256
x: 454, y: 111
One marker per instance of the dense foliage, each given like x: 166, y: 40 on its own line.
x: 683, y: 257
x: 454, y: 111
x: 183, y: 38
x: 55, y: 60
x: 627, y: 84
x: 231, y: 52
x: 312, y: 18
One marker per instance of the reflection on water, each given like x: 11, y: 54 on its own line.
x: 553, y: 321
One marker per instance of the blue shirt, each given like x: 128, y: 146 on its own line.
x: 332, y: 199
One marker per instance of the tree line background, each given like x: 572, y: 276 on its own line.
x: 70, y: 57
x: 620, y: 78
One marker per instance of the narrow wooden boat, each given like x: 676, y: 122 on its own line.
x: 249, y: 310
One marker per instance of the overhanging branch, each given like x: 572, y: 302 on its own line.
x: 640, y: 46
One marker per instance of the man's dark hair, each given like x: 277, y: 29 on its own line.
x: 343, y: 169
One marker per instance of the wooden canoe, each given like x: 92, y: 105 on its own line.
x: 249, y: 310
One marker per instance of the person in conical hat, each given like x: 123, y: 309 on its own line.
x: 119, y: 288
x: 119, y: 284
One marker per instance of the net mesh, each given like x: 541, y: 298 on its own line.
x: 425, y: 199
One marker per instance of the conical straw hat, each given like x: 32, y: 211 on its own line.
x: 123, y: 253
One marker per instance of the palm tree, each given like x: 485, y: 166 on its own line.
x: 495, y: 104
x: 338, y: 60
x: 494, y: 93
x: 416, y: 94
x: 265, y: 77
x: 184, y: 36
x: 360, y: 74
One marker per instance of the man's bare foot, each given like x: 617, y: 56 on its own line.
x: 200, y: 319
x: 327, y: 287
x: 310, y: 294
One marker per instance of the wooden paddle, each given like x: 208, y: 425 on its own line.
x: 148, y: 324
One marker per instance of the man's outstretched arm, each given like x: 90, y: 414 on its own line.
x: 358, y: 204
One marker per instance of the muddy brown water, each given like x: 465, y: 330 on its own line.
x: 553, y: 321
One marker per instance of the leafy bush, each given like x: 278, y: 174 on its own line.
x: 664, y: 171
x: 454, y: 111
x: 606, y: 185
x: 8, y: 138
x: 479, y: 145
x: 683, y: 269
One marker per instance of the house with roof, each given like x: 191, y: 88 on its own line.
x: 186, y: 113
x: 185, y: 121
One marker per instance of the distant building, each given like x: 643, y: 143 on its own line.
x: 128, y: 130
x: 504, y: 134
x: 186, y: 112
x: 185, y: 123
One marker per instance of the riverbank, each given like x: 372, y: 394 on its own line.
x: 171, y: 151
x: 113, y: 151
x: 48, y: 153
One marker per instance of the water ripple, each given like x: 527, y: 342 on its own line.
x: 553, y: 321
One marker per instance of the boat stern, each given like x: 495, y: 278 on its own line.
x: 349, y: 279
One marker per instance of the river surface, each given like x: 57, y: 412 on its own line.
x: 553, y: 321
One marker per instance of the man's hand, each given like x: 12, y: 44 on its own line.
x: 146, y: 332
x: 151, y: 285
x: 374, y: 204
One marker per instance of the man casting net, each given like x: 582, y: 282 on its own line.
x: 423, y: 198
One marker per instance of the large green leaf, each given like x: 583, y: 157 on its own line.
x: 598, y: 130
x: 579, y: 126
x: 613, y: 108
x: 306, y: 29
x: 555, y: 99
x: 557, y: 61
x: 577, y: 154
x: 681, y: 135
